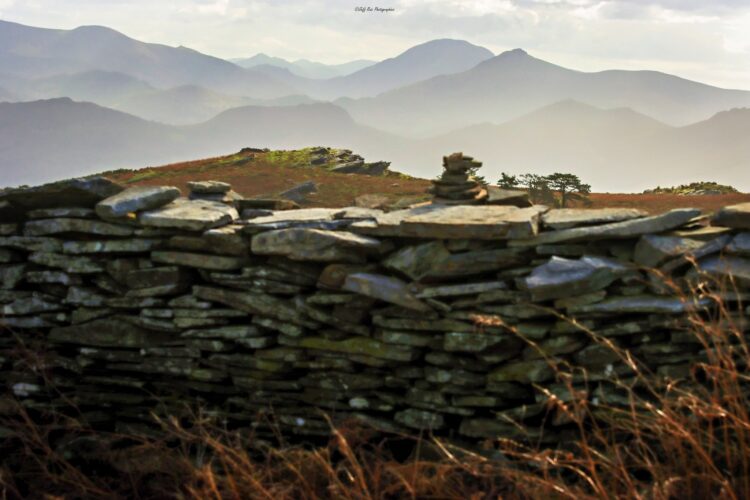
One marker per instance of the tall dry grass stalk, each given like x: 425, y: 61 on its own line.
x: 666, y: 439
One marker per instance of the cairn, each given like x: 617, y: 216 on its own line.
x: 456, y: 186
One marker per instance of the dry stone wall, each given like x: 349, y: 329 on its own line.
x: 439, y: 317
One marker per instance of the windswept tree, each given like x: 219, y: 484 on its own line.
x: 507, y: 181
x: 570, y: 188
x: 538, y: 188
x: 557, y: 189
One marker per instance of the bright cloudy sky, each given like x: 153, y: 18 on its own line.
x: 706, y: 40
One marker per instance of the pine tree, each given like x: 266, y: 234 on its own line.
x: 570, y: 188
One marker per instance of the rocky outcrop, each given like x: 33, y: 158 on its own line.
x: 440, y: 317
x: 344, y: 161
x: 299, y: 192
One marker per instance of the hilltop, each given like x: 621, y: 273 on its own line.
x: 259, y: 173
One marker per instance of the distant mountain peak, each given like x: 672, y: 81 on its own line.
x: 514, y: 54
x: 96, y: 29
x: 441, y: 44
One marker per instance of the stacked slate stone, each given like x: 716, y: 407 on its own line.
x: 439, y: 317
x: 213, y: 191
x: 455, y: 186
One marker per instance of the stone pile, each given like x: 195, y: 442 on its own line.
x: 456, y: 186
x: 439, y: 317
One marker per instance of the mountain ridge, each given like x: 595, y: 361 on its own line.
x: 514, y: 83
x: 304, y: 67
x: 31, y: 52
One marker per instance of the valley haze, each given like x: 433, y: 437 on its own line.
x: 81, y: 101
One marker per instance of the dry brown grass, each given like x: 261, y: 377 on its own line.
x: 686, y: 439
x: 260, y: 176
x: 658, y: 203
x: 263, y: 177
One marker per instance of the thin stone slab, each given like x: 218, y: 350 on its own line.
x: 198, y: 260
x: 565, y: 218
x: 208, y: 187
x: 157, y: 277
x: 82, y: 265
x: 499, y: 196
x: 385, y: 288
x: 254, y: 303
x: 33, y: 322
x: 67, y: 212
x: 315, y: 218
x: 32, y: 243
x: 472, y: 342
x: 227, y: 240
x: 44, y: 227
x: 85, y: 296
x: 727, y: 267
x: 31, y: 305
x: 8, y: 229
x: 228, y: 198
x: 458, y: 290
x: 82, y: 192
x: 640, y: 304
x: 109, y: 332
x: 560, y: 277
x: 134, y: 302
x: 314, y: 245
x: 653, y: 250
x: 59, y: 277
x: 626, y: 229
x: 136, y: 199
x: 477, y: 262
x: 701, y: 233
x: 456, y: 222
x: 430, y: 325
x: 708, y: 248
x: 735, y: 216
x: 134, y: 245
x: 360, y: 345
x: 527, y: 372
x: 417, y: 261
x: 190, y: 215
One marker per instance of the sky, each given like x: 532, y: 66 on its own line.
x: 708, y: 41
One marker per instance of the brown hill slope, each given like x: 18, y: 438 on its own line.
x: 265, y: 173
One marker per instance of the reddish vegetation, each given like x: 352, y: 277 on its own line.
x: 252, y: 175
x: 657, y: 203
x: 260, y: 178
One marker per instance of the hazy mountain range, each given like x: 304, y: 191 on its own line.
x: 615, y: 150
x: 619, y: 130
